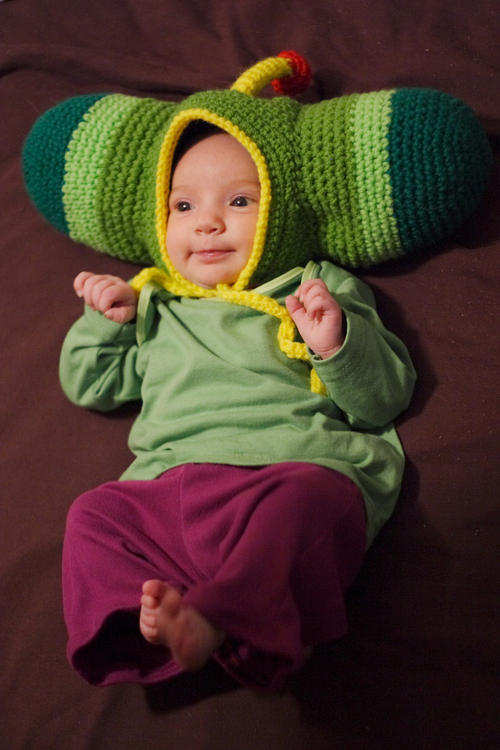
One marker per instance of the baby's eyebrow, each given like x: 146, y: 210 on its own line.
x: 252, y: 183
x: 231, y: 186
x: 180, y: 188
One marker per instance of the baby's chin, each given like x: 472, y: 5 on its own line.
x: 227, y: 280
x: 210, y: 274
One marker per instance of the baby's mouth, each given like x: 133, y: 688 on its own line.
x: 211, y: 254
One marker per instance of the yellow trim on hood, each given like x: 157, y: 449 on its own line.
x: 163, y: 175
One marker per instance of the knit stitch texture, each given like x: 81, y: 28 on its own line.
x: 358, y: 179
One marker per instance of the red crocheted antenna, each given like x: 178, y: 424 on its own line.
x: 300, y: 79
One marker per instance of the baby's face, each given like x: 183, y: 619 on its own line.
x: 213, y: 209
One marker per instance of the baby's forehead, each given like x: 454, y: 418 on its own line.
x: 211, y: 145
x: 217, y: 155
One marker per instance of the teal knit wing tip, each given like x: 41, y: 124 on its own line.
x: 440, y: 161
x: 43, y: 156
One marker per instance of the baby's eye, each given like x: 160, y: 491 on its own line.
x: 240, y: 201
x: 182, y: 206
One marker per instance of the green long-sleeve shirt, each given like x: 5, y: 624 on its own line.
x: 215, y: 387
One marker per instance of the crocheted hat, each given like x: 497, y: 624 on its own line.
x: 356, y: 179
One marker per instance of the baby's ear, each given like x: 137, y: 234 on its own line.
x: 89, y: 166
x: 389, y: 172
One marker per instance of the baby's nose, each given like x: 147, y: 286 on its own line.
x: 210, y: 222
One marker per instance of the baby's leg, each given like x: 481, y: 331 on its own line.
x: 118, y: 536
x: 290, y: 539
x: 164, y: 620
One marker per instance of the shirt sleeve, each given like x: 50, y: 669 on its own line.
x: 371, y: 377
x: 97, y: 367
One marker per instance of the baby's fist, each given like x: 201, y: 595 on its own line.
x: 318, y: 317
x: 109, y: 295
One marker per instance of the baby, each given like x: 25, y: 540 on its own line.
x: 213, y: 207
x: 252, y: 497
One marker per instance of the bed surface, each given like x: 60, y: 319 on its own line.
x: 419, y: 667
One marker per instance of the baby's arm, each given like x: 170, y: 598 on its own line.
x: 109, y: 295
x: 98, y: 363
x: 318, y: 317
x: 371, y: 376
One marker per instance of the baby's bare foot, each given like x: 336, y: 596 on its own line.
x: 165, y: 620
x: 156, y: 598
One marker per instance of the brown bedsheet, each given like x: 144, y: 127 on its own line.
x: 419, y: 667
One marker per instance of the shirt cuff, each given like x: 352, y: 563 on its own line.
x: 108, y: 329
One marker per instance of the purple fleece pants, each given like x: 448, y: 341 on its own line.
x: 264, y: 553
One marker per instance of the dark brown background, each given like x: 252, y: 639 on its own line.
x: 419, y: 668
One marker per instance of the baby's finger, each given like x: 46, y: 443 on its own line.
x: 88, y: 288
x: 106, y: 291
x: 296, y: 311
x: 314, y: 295
x: 320, y: 296
x: 79, y: 282
x: 110, y: 294
x: 312, y: 284
x: 315, y: 307
x: 122, y: 314
x: 93, y: 291
x: 307, y: 292
x: 293, y: 304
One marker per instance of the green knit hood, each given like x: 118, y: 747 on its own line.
x: 357, y: 179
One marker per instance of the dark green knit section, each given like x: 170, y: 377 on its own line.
x: 440, y: 160
x: 44, y: 153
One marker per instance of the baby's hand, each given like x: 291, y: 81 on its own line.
x: 110, y: 295
x: 318, y: 317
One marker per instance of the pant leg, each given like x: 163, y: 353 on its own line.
x: 291, y: 538
x: 264, y: 553
x: 117, y: 536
